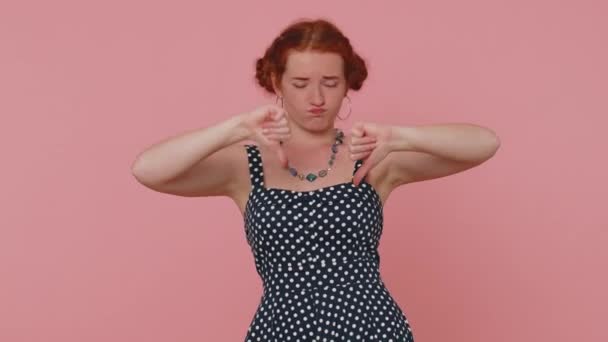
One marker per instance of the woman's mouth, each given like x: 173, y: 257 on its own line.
x: 317, y: 111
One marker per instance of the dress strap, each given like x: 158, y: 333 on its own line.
x: 256, y: 171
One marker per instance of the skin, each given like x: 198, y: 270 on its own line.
x: 392, y: 155
x: 301, y: 95
x: 311, y: 137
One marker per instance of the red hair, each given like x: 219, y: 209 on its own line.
x: 309, y: 35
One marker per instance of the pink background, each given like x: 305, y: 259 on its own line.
x: 513, y: 250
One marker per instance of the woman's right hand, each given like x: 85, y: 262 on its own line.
x: 268, y: 125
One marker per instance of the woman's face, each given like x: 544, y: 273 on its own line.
x: 313, y: 80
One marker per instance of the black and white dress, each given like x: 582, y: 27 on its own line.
x: 317, y: 254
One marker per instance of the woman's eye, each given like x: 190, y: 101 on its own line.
x: 332, y: 85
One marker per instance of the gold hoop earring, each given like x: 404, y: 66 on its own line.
x: 349, y: 109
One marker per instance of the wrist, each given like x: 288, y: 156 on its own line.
x: 401, y: 138
x: 238, y: 128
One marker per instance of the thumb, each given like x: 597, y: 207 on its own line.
x: 362, y: 171
x: 278, y: 149
x: 282, y: 157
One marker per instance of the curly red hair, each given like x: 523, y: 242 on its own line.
x: 310, y: 35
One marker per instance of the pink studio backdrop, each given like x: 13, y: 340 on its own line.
x: 513, y: 250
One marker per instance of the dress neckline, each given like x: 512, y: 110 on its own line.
x: 330, y: 187
x: 313, y: 190
x: 262, y: 187
x: 263, y: 178
x: 325, y: 188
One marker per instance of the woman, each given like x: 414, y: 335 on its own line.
x: 312, y: 209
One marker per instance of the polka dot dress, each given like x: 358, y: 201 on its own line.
x: 317, y: 254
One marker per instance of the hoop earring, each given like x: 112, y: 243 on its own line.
x: 349, y: 109
x: 277, y: 100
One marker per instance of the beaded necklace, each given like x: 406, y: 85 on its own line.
x: 311, y: 177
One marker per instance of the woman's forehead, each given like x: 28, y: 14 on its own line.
x: 313, y: 64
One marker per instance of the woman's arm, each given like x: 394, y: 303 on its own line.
x: 199, y: 162
x: 432, y: 151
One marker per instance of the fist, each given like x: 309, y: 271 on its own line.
x: 268, y: 126
x: 369, y: 142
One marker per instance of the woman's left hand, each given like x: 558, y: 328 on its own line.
x: 370, y: 142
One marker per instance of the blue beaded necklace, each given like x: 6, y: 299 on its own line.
x: 311, y: 177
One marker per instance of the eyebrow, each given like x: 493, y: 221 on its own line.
x: 306, y: 78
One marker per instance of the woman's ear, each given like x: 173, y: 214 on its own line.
x: 276, y: 85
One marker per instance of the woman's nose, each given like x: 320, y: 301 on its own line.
x: 317, y: 96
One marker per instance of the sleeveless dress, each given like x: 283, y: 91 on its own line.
x: 317, y: 254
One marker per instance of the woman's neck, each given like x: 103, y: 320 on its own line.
x: 307, y: 140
